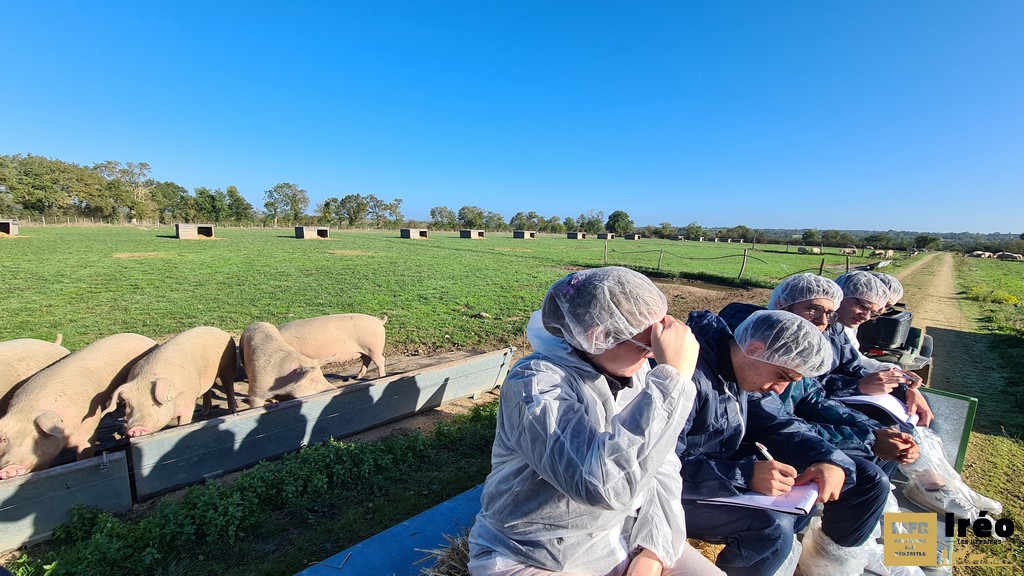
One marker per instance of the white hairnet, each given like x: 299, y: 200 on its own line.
x: 894, y: 286
x: 863, y: 285
x: 789, y: 341
x: 800, y: 287
x: 596, y: 309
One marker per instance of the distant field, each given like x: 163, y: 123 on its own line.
x: 441, y: 293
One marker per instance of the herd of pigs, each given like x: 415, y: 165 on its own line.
x: 54, y: 400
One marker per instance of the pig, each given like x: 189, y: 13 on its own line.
x: 342, y: 336
x: 23, y: 357
x: 274, y: 368
x: 62, y: 404
x: 164, y: 385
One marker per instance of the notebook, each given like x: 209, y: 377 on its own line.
x: 869, y: 404
x: 799, y: 500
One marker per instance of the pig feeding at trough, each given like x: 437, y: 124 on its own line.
x: 342, y: 337
x: 275, y: 369
x: 163, y: 386
x: 61, y: 406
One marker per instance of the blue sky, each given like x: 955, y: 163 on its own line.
x: 903, y: 115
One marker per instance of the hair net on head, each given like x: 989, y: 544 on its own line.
x: 863, y: 285
x: 596, y: 309
x: 789, y: 341
x: 894, y: 286
x: 800, y: 287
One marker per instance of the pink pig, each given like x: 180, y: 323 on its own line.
x: 275, y: 369
x: 343, y: 337
x: 164, y: 385
x: 61, y: 406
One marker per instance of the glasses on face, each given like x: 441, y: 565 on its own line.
x: 641, y: 345
x: 815, y: 312
x: 867, y: 308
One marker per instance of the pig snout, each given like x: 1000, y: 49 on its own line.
x: 12, y: 470
x: 136, y: 431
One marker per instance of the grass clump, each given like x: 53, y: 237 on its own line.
x: 302, y: 508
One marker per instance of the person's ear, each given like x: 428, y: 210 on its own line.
x: 754, y: 350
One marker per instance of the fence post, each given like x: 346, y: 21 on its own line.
x: 660, y: 256
x: 821, y: 269
x: 847, y: 263
x: 744, y: 265
x: 605, y: 252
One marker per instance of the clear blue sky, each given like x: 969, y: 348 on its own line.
x: 767, y: 114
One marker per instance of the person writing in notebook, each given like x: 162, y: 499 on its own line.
x: 770, y: 349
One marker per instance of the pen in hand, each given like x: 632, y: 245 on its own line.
x: 764, y: 451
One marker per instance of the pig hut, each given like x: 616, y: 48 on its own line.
x: 9, y: 227
x: 632, y: 236
x: 472, y: 234
x: 312, y: 232
x: 193, y: 231
x: 576, y: 235
x: 414, y: 233
x: 525, y: 234
x: 605, y: 236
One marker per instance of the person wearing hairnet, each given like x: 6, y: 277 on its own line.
x: 584, y: 477
x: 864, y: 298
x: 770, y: 350
x: 816, y: 298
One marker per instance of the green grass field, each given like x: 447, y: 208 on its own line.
x: 87, y: 283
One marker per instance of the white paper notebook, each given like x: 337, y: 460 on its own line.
x: 887, y: 402
x: 799, y: 500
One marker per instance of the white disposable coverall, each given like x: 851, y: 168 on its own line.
x: 580, y: 478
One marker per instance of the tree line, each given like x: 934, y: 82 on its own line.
x: 36, y: 186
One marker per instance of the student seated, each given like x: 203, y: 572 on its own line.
x: 770, y: 350
x: 584, y: 476
x: 864, y: 298
x: 816, y: 298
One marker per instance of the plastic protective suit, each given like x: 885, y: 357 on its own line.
x: 581, y: 477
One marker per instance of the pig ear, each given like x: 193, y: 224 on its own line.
x: 164, y: 391
x: 50, y: 423
x: 114, y: 399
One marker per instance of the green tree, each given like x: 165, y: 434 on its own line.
x: 836, y: 238
x: 443, y: 218
x: 811, y: 236
x: 494, y: 221
x: 554, y: 226
x: 286, y: 199
x: 880, y: 240
x: 571, y: 225
x: 354, y: 209
x: 693, y: 230
x: 471, y: 217
x: 240, y: 211
x: 619, y: 223
x: 168, y: 198
x: 927, y: 242
x: 211, y: 205
x: 592, y: 222
x: 130, y: 186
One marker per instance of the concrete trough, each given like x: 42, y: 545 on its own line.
x: 472, y: 234
x: 525, y: 234
x: 414, y: 233
x: 312, y: 232
x: 193, y: 231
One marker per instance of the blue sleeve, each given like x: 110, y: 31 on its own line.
x: 788, y: 438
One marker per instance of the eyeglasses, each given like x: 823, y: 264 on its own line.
x: 815, y: 312
x: 867, y: 307
x: 641, y: 345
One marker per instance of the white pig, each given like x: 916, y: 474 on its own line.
x: 274, y: 368
x: 23, y: 357
x: 61, y: 406
x: 165, y: 384
x: 343, y: 337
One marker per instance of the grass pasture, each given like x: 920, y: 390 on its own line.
x: 439, y: 294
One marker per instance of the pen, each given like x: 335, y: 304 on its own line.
x: 764, y: 451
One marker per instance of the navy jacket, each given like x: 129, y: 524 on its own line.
x: 847, y: 367
x: 716, y: 445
